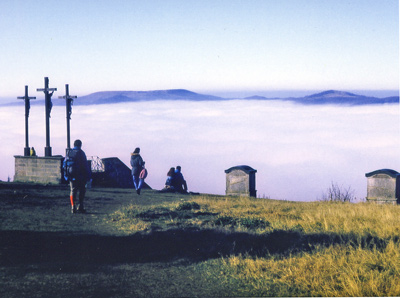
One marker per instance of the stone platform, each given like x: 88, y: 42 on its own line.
x: 35, y: 169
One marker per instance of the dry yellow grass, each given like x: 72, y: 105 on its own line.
x: 336, y: 271
x: 364, y: 262
x: 378, y: 220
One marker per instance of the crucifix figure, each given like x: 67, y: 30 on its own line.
x: 69, y: 99
x: 27, y: 99
x: 48, y: 92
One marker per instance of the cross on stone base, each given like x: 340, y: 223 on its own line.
x: 49, y: 105
x: 26, y: 98
x: 68, y: 104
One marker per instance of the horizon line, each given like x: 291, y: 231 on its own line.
x: 253, y: 92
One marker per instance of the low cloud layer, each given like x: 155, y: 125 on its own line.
x: 297, y: 150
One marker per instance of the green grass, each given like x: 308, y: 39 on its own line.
x: 170, y: 245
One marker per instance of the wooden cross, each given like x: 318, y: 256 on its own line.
x: 26, y: 98
x: 48, y: 94
x: 69, y: 99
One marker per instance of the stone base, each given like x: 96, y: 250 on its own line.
x: 47, y: 151
x: 27, y: 151
x: 391, y: 201
x: 43, y: 170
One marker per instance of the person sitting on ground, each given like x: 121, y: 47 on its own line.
x: 179, y: 183
x: 170, y: 181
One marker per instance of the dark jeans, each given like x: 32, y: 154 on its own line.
x: 77, y: 186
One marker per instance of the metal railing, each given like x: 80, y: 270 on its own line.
x: 97, y: 164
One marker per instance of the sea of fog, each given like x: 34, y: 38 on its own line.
x: 297, y: 150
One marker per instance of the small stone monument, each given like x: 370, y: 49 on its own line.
x: 383, y: 186
x: 241, y: 181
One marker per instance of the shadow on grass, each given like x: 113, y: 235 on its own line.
x: 75, y: 252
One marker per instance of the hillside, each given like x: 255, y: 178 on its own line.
x: 171, y: 245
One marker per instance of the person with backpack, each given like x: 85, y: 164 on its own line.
x: 137, y: 166
x: 179, y: 183
x: 77, y: 172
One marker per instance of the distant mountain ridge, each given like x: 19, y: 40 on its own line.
x: 335, y: 97
x: 130, y: 96
x: 110, y: 97
x: 325, y: 97
x: 342, y: 97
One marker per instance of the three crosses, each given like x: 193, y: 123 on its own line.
x: 48, y: 94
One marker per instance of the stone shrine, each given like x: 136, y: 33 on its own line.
x: 383, y: 186
x: 241, y: 181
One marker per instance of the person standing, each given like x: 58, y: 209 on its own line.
x: 142, y: 176
x: 137, y: 166
x: 80, y: 173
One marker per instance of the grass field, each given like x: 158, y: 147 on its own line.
x: 169, y: 245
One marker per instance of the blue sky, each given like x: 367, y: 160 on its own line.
x: 204, y: 45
